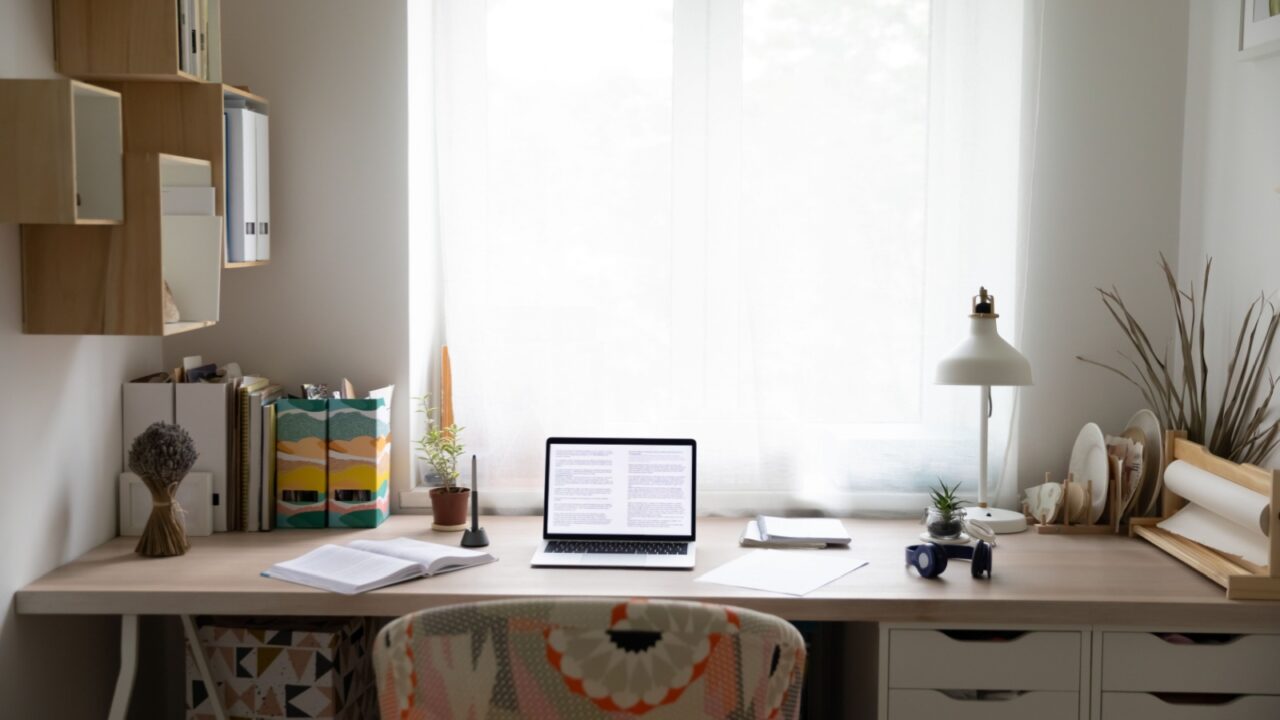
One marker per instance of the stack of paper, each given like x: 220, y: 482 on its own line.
x: 751, y: 538
x: 799, y: 532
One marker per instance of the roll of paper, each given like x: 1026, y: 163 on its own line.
x: 1203, y: 526
x: 1221, y: 514
x: 1220, y: 496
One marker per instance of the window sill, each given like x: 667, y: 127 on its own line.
x: 418, y: 497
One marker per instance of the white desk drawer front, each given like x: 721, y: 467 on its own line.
x: 930, y: 659
x: 1132, y: 706
x: 933, y: 704
x: 1144, y: 662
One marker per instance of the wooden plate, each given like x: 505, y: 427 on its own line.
x: 1148, y: 424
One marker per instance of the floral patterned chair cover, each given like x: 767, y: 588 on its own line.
x: 589, y: 658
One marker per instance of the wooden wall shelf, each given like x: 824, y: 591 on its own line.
x: 83, y: 169
x: 60, y: 151
x: 129, y: 39
x: 110, y: 280
x: 184, y: 119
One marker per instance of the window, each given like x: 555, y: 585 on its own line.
x: 756, y: 223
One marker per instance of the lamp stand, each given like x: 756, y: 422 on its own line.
x: 998, y: 519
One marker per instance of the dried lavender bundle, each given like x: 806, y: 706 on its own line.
x: 161, y: 456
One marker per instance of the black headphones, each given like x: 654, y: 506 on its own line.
x: 930, y: 559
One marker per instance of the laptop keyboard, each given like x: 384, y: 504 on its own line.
x: 618, y: 548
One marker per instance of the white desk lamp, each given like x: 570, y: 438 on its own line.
x: 985, y: 359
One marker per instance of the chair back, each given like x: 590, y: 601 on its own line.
x: 571, y: 658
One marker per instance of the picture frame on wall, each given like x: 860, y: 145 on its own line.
x: 1259, y: 28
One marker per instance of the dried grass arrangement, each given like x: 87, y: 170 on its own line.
x: 161, y: 456
x: 1179, y: 396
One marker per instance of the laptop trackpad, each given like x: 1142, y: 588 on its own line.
x: 612, y: 559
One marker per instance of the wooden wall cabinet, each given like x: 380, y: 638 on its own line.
x: 185, y: 119
x: 123, y: 39
x: 83, y: 169
x: 60, y: 153
x: 110, y: 280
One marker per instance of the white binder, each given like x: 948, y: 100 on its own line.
x: 263, y: 182
x: 142, y: 404
x: 241, y: 185
x: 195, y: 494
x: 205, y: 411
x: 193, y: 37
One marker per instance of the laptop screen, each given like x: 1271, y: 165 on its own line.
x: 602, y: 488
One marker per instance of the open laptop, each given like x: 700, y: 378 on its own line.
x: 617, y: 502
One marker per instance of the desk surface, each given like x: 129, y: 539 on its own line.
x: 1039, y: 579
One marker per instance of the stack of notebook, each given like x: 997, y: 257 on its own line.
x: 779, y: 532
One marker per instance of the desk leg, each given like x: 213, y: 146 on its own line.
x: 128, y: 667
x: 202, y: 664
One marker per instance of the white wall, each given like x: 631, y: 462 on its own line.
x: 1230, y: 175
x: 334, y: 300
x: 1106, y: 196
x: 60, y: 441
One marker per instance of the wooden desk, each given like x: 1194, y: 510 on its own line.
x: 1049, y: 579
x: 1038, y: 580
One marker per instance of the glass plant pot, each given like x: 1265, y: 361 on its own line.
x: 944, y: 524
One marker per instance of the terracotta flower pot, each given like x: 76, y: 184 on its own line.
x: 449, y: 508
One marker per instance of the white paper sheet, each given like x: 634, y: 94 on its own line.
x: 1233, y: 502
x: 1203, y: 526
x: 791, y: 572
x: 829, y: 530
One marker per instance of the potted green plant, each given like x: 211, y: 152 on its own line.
x: 945, y: 518
x: 441, y: 448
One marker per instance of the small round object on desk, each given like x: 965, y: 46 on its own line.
x: 1001, y: 521
x: 961, y: 539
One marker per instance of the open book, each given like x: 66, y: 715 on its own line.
x: 371, y: 564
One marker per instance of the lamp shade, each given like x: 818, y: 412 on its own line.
x: 984, y: 358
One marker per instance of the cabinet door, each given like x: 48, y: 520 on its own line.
x: 263, y: 183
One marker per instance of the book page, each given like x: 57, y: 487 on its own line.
x: 430, y: 557
x: 344, y: 569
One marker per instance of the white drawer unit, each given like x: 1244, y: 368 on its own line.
x: 974, y: 660
x: 926, y: 704
x: 1135, y: 706
x: 1147, y: 662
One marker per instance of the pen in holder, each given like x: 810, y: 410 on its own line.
x: 475, y: 536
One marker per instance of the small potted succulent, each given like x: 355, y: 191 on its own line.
x: 440, y: 447
x: 945, y: 518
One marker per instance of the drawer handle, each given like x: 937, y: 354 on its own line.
x: 983, y: 695
x: 1196, y: 699
x: 984, y: 635
x: 1198, y: 638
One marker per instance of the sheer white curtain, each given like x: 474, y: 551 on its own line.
x: 756, y: 223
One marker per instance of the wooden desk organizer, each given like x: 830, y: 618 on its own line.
x: 1243, y: 580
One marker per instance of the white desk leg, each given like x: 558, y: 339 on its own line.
x: 202, y: 664
x: 128, y: 667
